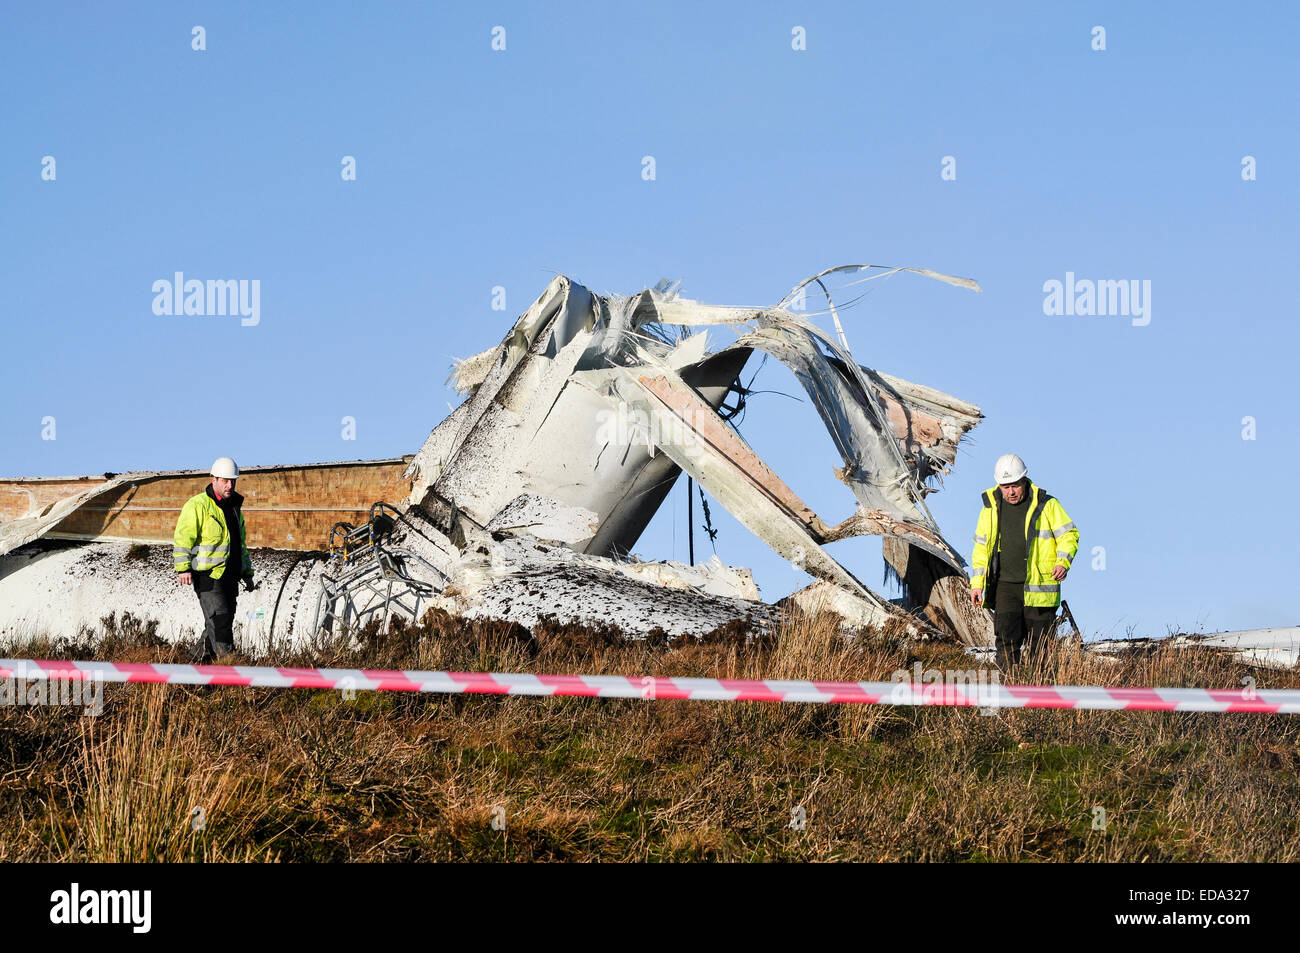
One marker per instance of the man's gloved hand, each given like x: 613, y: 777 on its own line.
x: 249, y: 585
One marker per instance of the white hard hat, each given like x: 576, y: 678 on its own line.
x: 1009, y: 468
x: 224, y: 468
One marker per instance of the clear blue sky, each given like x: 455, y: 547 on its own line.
x: 478, y: 168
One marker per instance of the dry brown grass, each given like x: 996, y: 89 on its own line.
x: 147, y: 786
x: 314, y: 776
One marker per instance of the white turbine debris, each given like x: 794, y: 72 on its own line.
x: 526, y: 501
x: 1266, y: 648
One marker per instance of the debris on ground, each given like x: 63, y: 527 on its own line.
x: 528, y: 499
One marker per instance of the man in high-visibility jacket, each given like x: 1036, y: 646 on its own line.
x: 210, y: 552
x: 1024, y: 545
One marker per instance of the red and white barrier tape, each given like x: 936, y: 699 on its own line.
x: 978, y: 695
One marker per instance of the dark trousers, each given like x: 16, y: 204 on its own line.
x: 217, y: 599
x: 1017, y: 625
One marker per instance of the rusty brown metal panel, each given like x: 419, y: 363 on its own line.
x: 284, y: 507
x: 28, y: 496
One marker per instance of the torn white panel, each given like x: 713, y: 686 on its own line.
x: 1277, y: 648
x: 547, y: 519
x: 494, y: 457
x: 857, y: 613
x: 927, y: 423
x: 1269, y: 648
x: 23, y: 530
x: 433, y: 456
x: 712, y: 576
x: 529, y: 335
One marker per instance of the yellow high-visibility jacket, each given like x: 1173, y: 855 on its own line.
x: 202, y: 539
x: 1052, y: 540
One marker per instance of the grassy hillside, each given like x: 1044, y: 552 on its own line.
x: 312, y: 775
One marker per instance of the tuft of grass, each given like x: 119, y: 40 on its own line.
x: 150, y: 787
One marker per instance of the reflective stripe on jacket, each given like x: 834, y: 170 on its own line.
x: 202, y: 540
x: 1052, y: 540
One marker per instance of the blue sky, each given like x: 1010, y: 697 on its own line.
x: 478, y: 168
